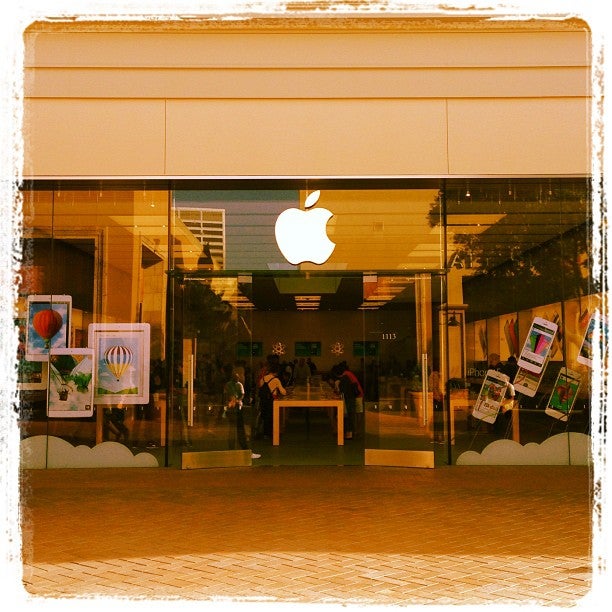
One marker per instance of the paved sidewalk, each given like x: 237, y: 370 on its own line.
x: 335, y: 535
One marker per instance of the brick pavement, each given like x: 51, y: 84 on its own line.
x: 336, y: 535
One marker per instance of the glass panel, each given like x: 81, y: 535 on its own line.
x: 106, y: 250
x: 372, y: 229
x: 209, y: 351
x: 403, y: 377
x: 520, y: 250
x: 379, y: 327
x: 287, y: 309
x: 247, y: 324
x: 515, y: 250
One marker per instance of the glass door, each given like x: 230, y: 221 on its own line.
x: 402, y: 370
x: 302, y: 326
x: 211, y: 357
x: 317, y: 332
x: 240, y: 290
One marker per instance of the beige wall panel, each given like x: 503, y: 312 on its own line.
x: 301, y: 137
x: 294, y: 49
x: 307, y: 83
x: 93, y: 138
x: 306, y: 137
x: 539, y: 136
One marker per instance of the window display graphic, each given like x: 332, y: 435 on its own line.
x: 585, y: 356
x: 48, y: 325
x: 70, y: 383
x: 564, y: 393
x: 491, y: 396
x: 537, y: 345
x: 482, y: 345
x: 121, y: 362
x: 527, y: 382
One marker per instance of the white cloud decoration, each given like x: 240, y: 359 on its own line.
x: 40, y: 452
x: 569, y: 448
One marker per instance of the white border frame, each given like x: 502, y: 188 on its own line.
x: 33, y: 353
x: 565, y: 377
x: 137, y: 336
x: 88, y: 403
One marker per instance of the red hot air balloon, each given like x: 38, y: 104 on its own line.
x: 47, y: 323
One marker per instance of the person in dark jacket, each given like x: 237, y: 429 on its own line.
x: 350, y: 389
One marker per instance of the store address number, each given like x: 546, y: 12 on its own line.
x: 389, y: 336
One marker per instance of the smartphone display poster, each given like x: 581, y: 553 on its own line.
x: 585, y: 355
x: 527, y: 382
x: 564, y: 394
x: 491, y: 396
x: 537, y: 345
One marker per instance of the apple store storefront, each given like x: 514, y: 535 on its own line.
x: 373, y: 214
x: 411, y: 323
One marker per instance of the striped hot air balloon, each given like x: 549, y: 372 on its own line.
x: 117, y: 359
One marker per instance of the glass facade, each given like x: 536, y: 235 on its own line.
x: 174, y: 291
x: 524, y: 250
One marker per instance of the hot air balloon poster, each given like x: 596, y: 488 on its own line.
x: 48, y: 325
x: 121, y: 362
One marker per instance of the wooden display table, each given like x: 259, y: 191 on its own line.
x: 305, y: 398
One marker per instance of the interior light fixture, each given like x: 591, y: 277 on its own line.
x: 307, y: 302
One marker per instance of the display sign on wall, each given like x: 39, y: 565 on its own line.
x: 510, y: 326
x: 307, y: 349
x: 365, y: 349
x: 249, y: 349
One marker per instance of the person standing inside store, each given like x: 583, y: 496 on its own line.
x: 350, y: 388
x: 301, y: 373
x: 510, y: 368
x: 495, y: 362
x: 233, y: 393
x: 311, y: 366
x: 270, y: 388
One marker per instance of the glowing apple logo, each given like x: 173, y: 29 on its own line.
x: 301, y: 235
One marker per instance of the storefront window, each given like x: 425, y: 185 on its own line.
x: 522, y: 250
x: 446, y: 277
x: 106, y: 251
